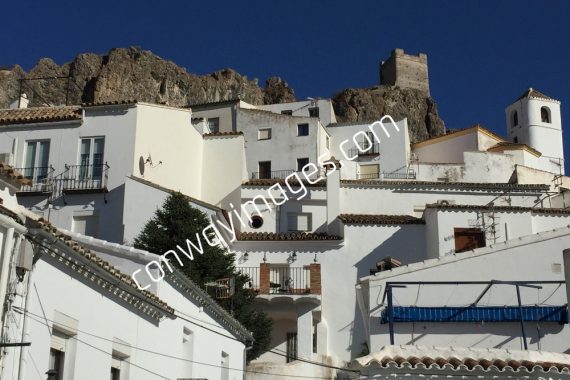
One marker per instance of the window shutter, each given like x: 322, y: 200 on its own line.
x: 368, y: 169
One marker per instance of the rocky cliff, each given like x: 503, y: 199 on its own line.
x: 133, y: 73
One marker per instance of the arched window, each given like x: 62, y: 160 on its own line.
x: 545, y: 115
x: 515, y: 119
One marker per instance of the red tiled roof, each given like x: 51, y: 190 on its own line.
x: 466, y: 185
x: 39, y: 115
x: 221, y: 134
x: 505, y: 145
x: 271, y: 182
x: 379, y: 219
x: 288, y: 236
x: 437, y: 359
x: 110, y: 103
x: 85, y: 252
x: 537, y: 210
x: 11, y: 175
x: 532, y: 93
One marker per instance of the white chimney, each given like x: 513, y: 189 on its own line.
x: 333, y: 196
x: 23, y: 101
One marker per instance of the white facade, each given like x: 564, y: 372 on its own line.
x: 92, y: 324
x: 535, y: 119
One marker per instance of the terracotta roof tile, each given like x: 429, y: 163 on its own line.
x: 464, y: 359
x: 505, y: 145
x: 110, y: 103
x: 536, y: 210
x: 85, y: 252
x: 271, y: 182
x: 288, y: 236
x: 465, y: 185
x: 221, y: 134
x: 379, y: 219
x: 219, y: 102
x: 532, y: 93
x: 39, y: 115
x: 8, y: 173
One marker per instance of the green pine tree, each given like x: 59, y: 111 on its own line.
x: 178, y: 221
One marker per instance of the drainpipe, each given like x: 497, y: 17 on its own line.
x: 25, y: 333
x: 7, y: 257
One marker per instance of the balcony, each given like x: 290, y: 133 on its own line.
x: 275, y: 174
x: 410, y: 174
x: 42, y: 181
x: 369, y: 176
x: 84, y: 179
x: 269, y: 279
x: 373, y: 150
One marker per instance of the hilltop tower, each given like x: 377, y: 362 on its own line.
x: 534, y: 119
x: 405, y: 70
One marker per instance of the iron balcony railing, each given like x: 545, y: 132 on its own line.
x: 366, y: 149
x: 84, y: 177
x: 410, y: 174
x: 369, y: 176
x: 41, y: 177
x: 275, y: 174
x: 282, y: 280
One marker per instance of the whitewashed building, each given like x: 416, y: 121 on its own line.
x: 86, y: 318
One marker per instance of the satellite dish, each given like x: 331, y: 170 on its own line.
x: 141, y: 165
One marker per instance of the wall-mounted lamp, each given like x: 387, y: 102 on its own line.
x: 293, y: 257
x: 264, y: 256
x: 245, y: 257
x: 315, y: 259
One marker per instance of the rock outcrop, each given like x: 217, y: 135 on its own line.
x: 133, y: 73
x: 369, y: 104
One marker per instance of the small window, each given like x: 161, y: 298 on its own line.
x: 256, y: 221
x: 287, y: 112
x: 516, y: 140
x: 328, y: 142
x: 301, y: 163
x: 264, y: 134
x: 214, y: 124
x: 297, y: 221
x: 314, y: 112
x: 303, y: 129
x: 467, y: 239
x: 515, y: 119
x: 545, y: 115
x: 264, y: 170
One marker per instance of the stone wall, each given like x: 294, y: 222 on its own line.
x: 405, y: 71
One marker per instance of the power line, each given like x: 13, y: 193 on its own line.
x: 37, y: 318
x: 194, y: 323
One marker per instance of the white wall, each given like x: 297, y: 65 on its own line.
x: 100, y: 314
x: 484, y: 264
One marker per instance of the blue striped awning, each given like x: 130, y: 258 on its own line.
x: 477, y: 314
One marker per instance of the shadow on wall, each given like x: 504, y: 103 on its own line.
x: 484, y: 335
x: 403, y: 245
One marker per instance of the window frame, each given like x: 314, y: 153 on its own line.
x: 260, y: 130
x: 287, y: 112
x: 87, y: 171
x: 309, y: 216
x: 300, y: 167
x: 301, y: 126
x: 217, y: 119
x: 547, y: 114
x: 313, y: 110
x: 36, y: 171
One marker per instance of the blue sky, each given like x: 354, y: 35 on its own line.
x: 482, y: 54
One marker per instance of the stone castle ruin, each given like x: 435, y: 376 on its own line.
x: 405, y: 71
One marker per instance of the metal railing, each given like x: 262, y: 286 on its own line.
x: 410, y: 174
x: 84, y: 177
x: 366, y: 149
x: 282, y: 280
x: 275, y: 174
x: 41, y: 177
x: 369, y: 176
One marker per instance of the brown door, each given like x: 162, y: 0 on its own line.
x: 467, y: 239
